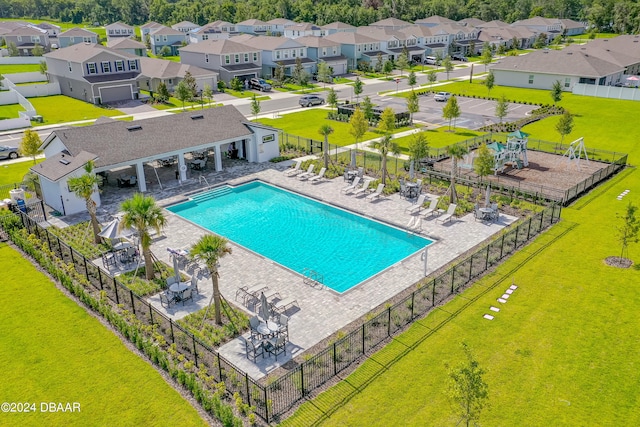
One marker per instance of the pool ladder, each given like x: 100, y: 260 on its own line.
x: 312, y: 277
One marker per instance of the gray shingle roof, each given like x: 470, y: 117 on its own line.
x: 217, y: 47
x: 337, y: 25
x: 163, y: 69
x: 77, y: 32
x: 165, y: 31
x: 82, y: 52
x: 267, y: 42
x: 62, y: 164
x: 315, y: 41
x: 350, y: 38
x: 125, y: 43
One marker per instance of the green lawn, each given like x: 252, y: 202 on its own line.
x: 558, y: 352
x: 53, y: 351
x: 60, y: 109
x: 18, y: 68
x: 14, y: 172
x: 10, y: 111
x: 439, y: 137
x: 338, y: 80
x: 245, y: 94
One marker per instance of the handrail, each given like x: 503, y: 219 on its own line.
x: 202, y: 178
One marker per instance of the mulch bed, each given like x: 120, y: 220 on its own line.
x: 618, y: 262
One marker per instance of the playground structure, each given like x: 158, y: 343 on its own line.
x: 575, y: 152
x: 513, y: 153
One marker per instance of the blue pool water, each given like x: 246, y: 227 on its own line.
x: 300, y: 233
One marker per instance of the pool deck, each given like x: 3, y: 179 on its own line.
x: 320, y: 311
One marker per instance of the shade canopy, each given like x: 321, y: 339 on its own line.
x: 265, y: 313
x: 112, y: 230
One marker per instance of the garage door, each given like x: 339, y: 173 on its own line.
x: 339, y: 68
x: 117, y: 93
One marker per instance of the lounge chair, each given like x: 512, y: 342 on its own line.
x: 432, y: 208
x: 417, y: 206
x: 349, y: 188
x: 317, y: 178
x: 284, y: 305
x: 376, y: 195
x: 308, y: 173
x: 295, y: 170
x: 448, y: 214
x: 364, y: 188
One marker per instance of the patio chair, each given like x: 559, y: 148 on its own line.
x: 349, y: 188
x: 360, y: 171
x: 417, y: 206
x: 187, y: 294
x: 254, y: 322
x: 448, y: 214
x: 171, y: 280
x: 419, y: 185
x: 194, y: 284
x: 108, y: 259
x: 253, y: 348
x: 495, y: 214
x: 276, y: 346
x: 317, y: 178
x: 377, y: 194
x: 364, y: 188
x: 403, y: 190
x: 477, y: 214
x: 283, y: 327
x: 295, y: 170
x: 308, y: 173
x: 166, y: 298
x: 432, y: 209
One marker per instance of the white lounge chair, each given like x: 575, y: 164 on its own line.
x: 448, y: 214
x: 308, y: 173
x: 349, y: 188
x: 318, y: 177
x: 432, y: 208
x: 376, y: 195
x: 364, y: 188
x: 417, y: 206
x: 295, y: 170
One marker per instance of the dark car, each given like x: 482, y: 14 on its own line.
x: 309, y: 100
x: 259, y: 84
x: 7, y: 152
x: 459, y: 57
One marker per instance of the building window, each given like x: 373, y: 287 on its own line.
x: 236, y: 58
x: 117, y: 32
x: 19, y: 38
x: 205, y: 37
x: 277, y: 54
x: 301, y: 52
x: 119, y: 65
x: 246, y: 57
x: 69, y: 65
x: 227, y: 59
x: 106, y: 67
x: 255, y: 56
x: 206, y: 57
x: 133, y: 65
x: 70, y: 87
x: 530, y: 79
x: 87, y: 39
x: 567, y: 82
x: 170, y: 81
x: 164, y: 38
x: 324, y: 51
x: 91, y: 68
x: 293, y: 53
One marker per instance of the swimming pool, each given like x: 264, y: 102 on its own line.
x: 300, y: 233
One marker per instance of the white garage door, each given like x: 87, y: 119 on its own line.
x: 117, y: 93
x: 339, y: 68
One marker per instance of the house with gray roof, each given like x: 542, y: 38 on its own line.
x: 572, y: 28
x: 217, y: 30
x: 118, y: 30
x: 391, y: 23
x: 320, y: 49
x: 434, y: 21
x: 128, y: 46
x: 26, y: 38
x: 116, y: 144
x: 338, y: 27
x: 226, y: 57
x: 539, y: 25
x: 253, y: 26
x: 76, y: 35
x: 94, y: 73
x: 278, y: 24
x: 161, y: 37
x: 156, y: 71
x: 301, y: 29
x: 540, y: 69
x: 356, y: 47
x: 185, y: 26
x: 148, y: 28
x: 278, y: 51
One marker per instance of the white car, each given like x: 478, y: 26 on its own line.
x: 442, y: 96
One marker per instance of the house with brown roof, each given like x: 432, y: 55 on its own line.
x: 76, y: 35
x: 228, y: 58
x: 114, y: 145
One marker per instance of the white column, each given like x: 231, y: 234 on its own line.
x: 218, y: 157
x: 182, y: 167
x: 142, y: 181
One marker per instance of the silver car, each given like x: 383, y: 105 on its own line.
x: 7, y: 152
x: 442, y: 96
x: 309, y: 100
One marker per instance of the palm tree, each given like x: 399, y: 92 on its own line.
x: 209, y: 249
x: 84, y: 186
x: 385, y: 145
x: 141, y: 212
x: 325, y: 130
x: 456, y: 152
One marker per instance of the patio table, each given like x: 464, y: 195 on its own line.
x: 177, y: 289
x: 412, y: 189
x: 486, y: 213
x: 267, y: 330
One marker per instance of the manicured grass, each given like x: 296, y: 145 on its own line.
x: 440, y: 137
x: 10, y: 111
x: 338, y: 80
x: 53, y: 351
x: 168, y: 58
x: 14, y: 172
x: 18, y: 68
x: 245, y: 94
x: 60, y: 109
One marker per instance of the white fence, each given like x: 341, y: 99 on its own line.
x: 31, y: 91
x: 632, y: 94
x: 20, y: 123
x: 20, y: 59
x: 32, y: 76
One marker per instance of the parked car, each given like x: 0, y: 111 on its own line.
x: 459, y: 57
x: 309, y: 100
x: 442, y: 96
x: 7, y: 152
x: 259, y: 84
x: 314, y: 76
x: 431, y: 60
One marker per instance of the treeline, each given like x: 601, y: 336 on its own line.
x: 605, y: 15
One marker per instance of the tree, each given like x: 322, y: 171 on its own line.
x: 388, y: 67
x: 209, y: 249
x: 221, y: 86
x: 278, y: 75
x: 448, y: 65
x: 30, y: 144
x: 564, y: 125
x: 84, y: 187
x: 324, y: 74
x: 402, y: 62
x: 385, y: 145
x: 486, y: 56
x: 432, y: 77
x: 628, y: 231
x: 191, y: 83
x: 357, y: 88
x: 332, y: 98
x: 411, y: 81
x: 451, y: 111
x: 413, y: 106
x: 359, y: 125
x: 37, y: 50
x: 467, y: 388
x: 379, y: 63
x: 418, y: 147
x: 556, y: 92
x: 489, y: 82
x: 162, y: 95
x: 367, y: 108
x: 325, y: 130
x: 182, y: 92
x: 483, y: 165
x: 299, y: 75
x: 13, y: 50
x: 456, y: 152
x: 255, y: 107
x: 44, y: 68
x: 502, y: 108
x: 515, y: 43
x: 387, y: 123
x: 541, y: 41
x: 165, y: 51
x: 236, y: 84
x: 143, y: 213
x: 207, y: 93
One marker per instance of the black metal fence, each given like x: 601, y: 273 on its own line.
x: 279, y: 396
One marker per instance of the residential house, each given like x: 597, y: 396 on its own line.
x: 94, y: 73
x: 623, y: 50
x: 218, y: 30
x: 253, y: 26
x: 278, y: 24
x: 76, y: 35
x: 540, y: 69
x: 26, y: 38
x: 391, y: 23
x: 539, y: 25
x: 162, y: 37
x: 118, y: 30
x: 338, y: 27
x: 115, y: 145
x: 52, y: 29
x: 129, y: 46
x: 278, y: 50
x: 322, y: 49
x: 148, y: 28
x: 356, y: 47
x: 572, y: 28
x: 226, y: 57
x: 461, y: 39
x: 434, y: 21
x: 392, y: 43
x: 155, y: 71
x: 471, y: 22
x: 526, y: 38
x: 302, y: 29
x: 433, y: 41
x: 185, y: 26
